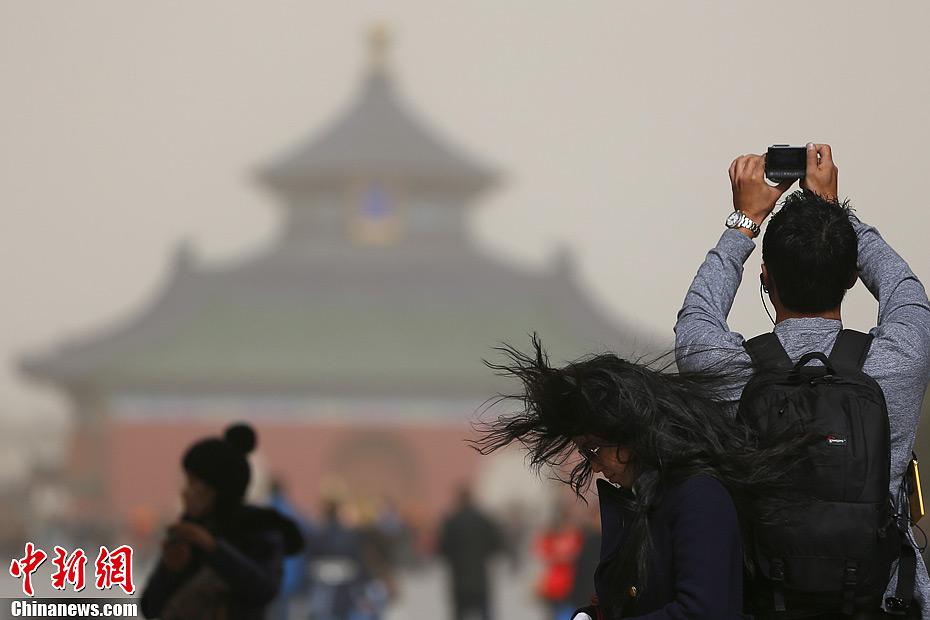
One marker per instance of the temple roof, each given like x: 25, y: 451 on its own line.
x: 373, y: 323
x: 409, y: 319
x: 377, y: 136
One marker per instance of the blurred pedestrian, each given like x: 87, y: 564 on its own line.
x: 400, y: 535
x: 468, y: 540
x: 588, y: 557
x: 377, y: 552
x: 222, y: 559
x: 516, y: 530
x: 558, y: 546
x: 294, y: 585
x: 336, y: 570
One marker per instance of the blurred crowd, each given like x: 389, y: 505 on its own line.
x: 355, y: 552
x: 358, y: 548
x: 348, y: 566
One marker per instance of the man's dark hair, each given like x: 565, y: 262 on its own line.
x: 810, y: 251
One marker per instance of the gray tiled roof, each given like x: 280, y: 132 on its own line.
x: 404, y: 320
x: 377, y: 135
x: 382, y: 323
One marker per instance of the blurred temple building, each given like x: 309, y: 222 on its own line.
x: 354, y: 342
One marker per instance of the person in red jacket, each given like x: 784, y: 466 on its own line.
x: 558, y: 547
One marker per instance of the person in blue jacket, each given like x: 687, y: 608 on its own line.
x: 673, y: 472
x: 223, y: 558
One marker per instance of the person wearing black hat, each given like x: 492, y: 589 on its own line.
x: 222, y: 559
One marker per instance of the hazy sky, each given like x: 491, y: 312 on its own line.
x: 129, y: 126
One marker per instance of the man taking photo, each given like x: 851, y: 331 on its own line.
x: 815, y: 249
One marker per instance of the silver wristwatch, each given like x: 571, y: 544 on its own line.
x: 738, y: 219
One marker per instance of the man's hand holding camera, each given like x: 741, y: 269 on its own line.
x: 751, y: 194
x: 821, y: 175
x: 756, y: 199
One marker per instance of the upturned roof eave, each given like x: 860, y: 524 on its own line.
x: 380, y: 136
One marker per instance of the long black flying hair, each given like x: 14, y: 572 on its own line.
x: 675, y: 425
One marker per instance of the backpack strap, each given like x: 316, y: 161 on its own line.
x: 907, y: 573
x: 850, y: 579
x: 778, y: 585
x: 850, y: 349
x: 766, y: 352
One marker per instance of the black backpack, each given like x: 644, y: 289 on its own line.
x: 828, y: 545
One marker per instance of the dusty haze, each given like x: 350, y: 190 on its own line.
x: 128, y: 127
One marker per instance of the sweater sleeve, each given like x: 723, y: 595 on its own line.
x: 707, y: 560
x: 703, y: 339
x: 903, y: 308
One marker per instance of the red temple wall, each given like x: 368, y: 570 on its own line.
x: 419, y: 467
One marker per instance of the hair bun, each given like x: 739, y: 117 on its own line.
x: 241, y: 436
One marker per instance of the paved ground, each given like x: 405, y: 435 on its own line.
x: 423, y: 596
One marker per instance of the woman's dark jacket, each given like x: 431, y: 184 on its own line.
x: 237, y: 580
x: 695, y: 569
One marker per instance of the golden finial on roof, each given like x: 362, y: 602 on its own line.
x: 379, y: 40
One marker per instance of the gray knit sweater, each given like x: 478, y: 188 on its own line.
x: 899, y: 358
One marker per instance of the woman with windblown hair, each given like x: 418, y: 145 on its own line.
x: 675, y: 469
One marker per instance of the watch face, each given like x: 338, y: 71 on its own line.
x: 733, y: 219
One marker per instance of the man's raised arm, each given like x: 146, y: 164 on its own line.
x: 702, y: 337
x: 903, y: 308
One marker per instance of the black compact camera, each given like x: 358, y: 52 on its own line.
x: 784, y: 163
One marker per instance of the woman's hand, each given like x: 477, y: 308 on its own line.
x: 175, y: 554
x: 193, y: 534
x: 591, y: 612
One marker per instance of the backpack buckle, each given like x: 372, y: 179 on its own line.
x: 893, y: 603
x: 777, y: 570
x: 850, y: 576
